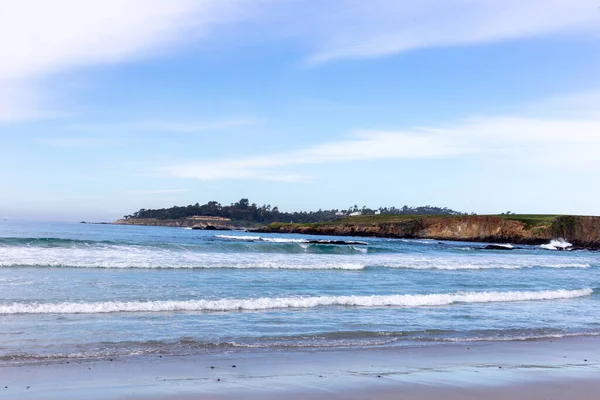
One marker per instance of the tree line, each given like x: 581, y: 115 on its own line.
x: 265, y: 214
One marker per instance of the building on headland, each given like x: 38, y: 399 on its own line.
x: 355, y: 213
x: 208, y: 218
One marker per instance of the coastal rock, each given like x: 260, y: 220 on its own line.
x: 337, y: 242
x: 497, y: 247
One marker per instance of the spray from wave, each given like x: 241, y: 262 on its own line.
x: 557, y: 244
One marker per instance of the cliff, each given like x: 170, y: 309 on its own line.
x: 193, y: 222
x: 581, y: 231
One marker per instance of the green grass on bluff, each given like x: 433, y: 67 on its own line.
x: 530, y: 220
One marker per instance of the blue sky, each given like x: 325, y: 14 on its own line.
x: 482, y: 106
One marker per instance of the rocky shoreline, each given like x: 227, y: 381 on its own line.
x: 194, y: 223
x: 582, y: 232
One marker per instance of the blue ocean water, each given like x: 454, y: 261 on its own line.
x: 72, y: 290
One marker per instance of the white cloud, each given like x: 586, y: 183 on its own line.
x: 570, y: 143
x: 361, y: 29
x: 40, y: 38
x: 364, y: 146
x: 169, y: 126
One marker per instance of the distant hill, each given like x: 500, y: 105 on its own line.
x: 245, y: 212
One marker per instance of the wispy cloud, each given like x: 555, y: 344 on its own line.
x: 40, y: 38
x: 523, y: 140
x: 71, y: 142
x: 169, y: 126
x: 44, y: 37
x: 158, y: 191
x: 360, y: 29
x: 363, y: 146
x: 21, y: 102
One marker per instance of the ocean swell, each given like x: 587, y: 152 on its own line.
x: 266, y: 303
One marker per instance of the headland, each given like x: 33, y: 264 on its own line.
x: 581, y: 231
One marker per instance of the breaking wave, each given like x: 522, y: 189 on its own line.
x: 235, y: 252
x: 267, y: 303
x: 557, y: 244
x: 291, y: 240
x: 51, y: 242
x: 346, y: 258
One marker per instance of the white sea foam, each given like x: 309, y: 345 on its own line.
x: 266, y: 303
x: 129, y: 256
x: 556, y: 244
x: 261, y: 239
x: 473, y: 266
x: 422, y: 241
x: 141, y: 257
x: 518, y: 338
x: 243, y: 238
x: 283, y: 240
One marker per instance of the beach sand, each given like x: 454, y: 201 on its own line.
x: 567, y: 368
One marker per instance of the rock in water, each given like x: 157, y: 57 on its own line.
x: 498, y: 247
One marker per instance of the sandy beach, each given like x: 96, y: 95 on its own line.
x: 548, y: 369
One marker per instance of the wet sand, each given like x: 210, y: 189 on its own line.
x: 548, y: 369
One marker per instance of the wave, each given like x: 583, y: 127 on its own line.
x: 235, y: 237
x: 341, y: 339
x: 557, y: 244
x: 264, y: 253
x: 261, y: 239
x: 51, y: 242
x: 505, y: 245
x: 291, y: 240
x: 486, y: 266
x: 421, y: 241
x: 267, y: 303
x: 338, y: 258
x: 133, y: 257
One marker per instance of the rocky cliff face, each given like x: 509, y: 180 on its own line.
x: 579, y: 230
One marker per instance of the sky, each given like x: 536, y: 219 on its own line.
x: 482, y: 106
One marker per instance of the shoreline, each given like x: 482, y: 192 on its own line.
x: 545, y: 368
x: 582, y: 231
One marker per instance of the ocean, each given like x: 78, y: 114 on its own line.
x: 85, y: 291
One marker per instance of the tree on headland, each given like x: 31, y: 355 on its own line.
x: 265, y: 214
